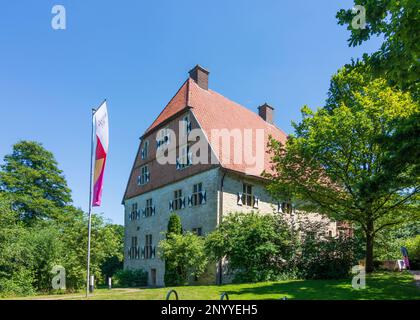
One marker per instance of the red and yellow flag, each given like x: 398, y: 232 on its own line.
x: 100, y: 121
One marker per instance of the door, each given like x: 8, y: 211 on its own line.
x: 153, y: 277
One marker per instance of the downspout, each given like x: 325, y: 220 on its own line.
x: 220, y: 280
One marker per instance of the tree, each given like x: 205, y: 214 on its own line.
x: 174, y: 227
x: 257, y: 247
x: 397, y: 21
x: 184, y: 254
x: 30, y: 175
x: 334, y: 164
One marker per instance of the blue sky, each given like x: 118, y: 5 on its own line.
x: 137, y: 54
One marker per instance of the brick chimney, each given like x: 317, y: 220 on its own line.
x: 200, y: 76
x: 266, y: 112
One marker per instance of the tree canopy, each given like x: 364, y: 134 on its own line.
x: 336, y: 163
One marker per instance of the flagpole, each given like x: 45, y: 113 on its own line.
x: 90, y: 207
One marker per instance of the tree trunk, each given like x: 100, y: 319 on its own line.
x: 369, y: 247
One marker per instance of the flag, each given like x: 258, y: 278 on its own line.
x: 100, y: 121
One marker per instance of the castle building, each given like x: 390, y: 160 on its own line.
x: 202, y: 158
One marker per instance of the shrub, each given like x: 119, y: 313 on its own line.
x: 256, y: 246
x: 131, y: 278
x: 184, y: 256
x: 413, y: 248
x: 329, y: 258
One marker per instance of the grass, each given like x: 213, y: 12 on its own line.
x: 379, y: 286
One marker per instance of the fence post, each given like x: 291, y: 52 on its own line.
x: 223, y: 296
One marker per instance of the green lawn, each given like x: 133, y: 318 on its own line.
x: 378, y: 286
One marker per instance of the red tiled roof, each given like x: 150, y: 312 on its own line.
x: 214, y: 111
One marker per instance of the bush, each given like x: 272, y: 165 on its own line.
x: 256, y: 246
x: 329, y: 258
x: 131, y: 278
x: 184, y: 256
x: 413, y: 248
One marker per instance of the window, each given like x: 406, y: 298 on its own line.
x: 185, y: 158
x: 163, y: 137
x: 134, y: 212
x: 145, y: 150
x: 187, y: 124
x: 144, y: 176
x: 133, y: 251
x: 247, y: 197
x: 197, y: 194
x: 149, y: 210
x: 197, y: 231
x: 148, y: 249
x: 178, y: 200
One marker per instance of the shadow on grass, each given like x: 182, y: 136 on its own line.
x: 378, y: 287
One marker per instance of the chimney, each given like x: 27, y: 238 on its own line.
x: 200, y: 76
x: 266, y: 112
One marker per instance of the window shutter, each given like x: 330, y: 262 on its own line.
x: 256, y: 200
x: 153, y: 253
x: 183, y: 203
x: 203, y: 197
x: 153, y: 210
x: 142, y: 252
x: 129, y: 253
x: 137, y: 250
x: 137, y: 213
x: 143, y: 212
x: 190, y: 201
x: 240, y: 203
x: 171, y: 205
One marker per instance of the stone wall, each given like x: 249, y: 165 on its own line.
x: 202, y: 216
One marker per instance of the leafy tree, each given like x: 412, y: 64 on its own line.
x: 257, y: 247
x: 183, y: 253
x: 114, y: 263
x: 397, y: 21
x: 335, y: 165
x: 31, y: 177
x: 16, y: 274
x: 174, y: 227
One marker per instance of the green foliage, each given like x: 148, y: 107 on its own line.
x: 174, y: 225
x: 184, y: 254
x: 256, y: 246
x: 171, y: 276
x: 336, y: 164
x: 39, y: 228
x: 35, y: 184
x: 397, y: 21
x: 328, y: 258
x: 131, y: 278
x: 413, y: 248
